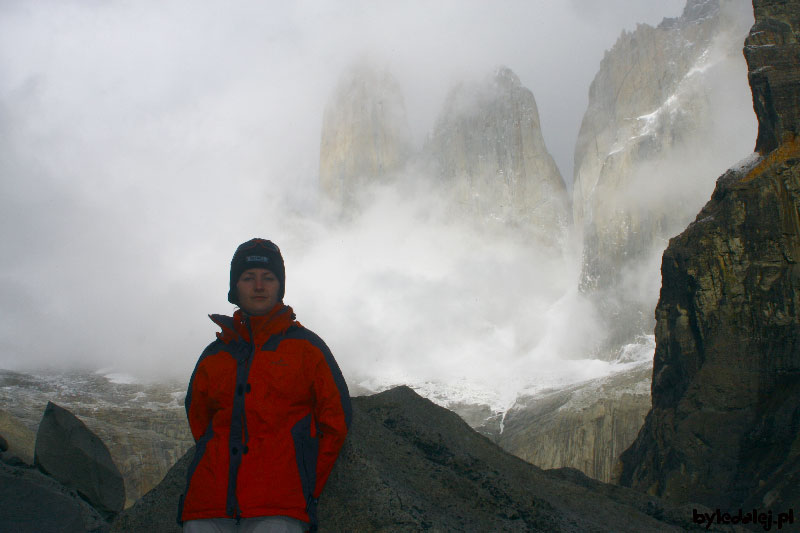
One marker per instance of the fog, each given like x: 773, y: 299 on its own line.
x: 141, y: 142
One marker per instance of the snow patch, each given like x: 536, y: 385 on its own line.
x: 747, y: 164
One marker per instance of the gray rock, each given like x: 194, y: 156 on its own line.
x: 488, y: 149
x: 662, y: 119
x: 585, y: 426
x: 69, y: 452
x: 31, y: 502
x: 365, y: 135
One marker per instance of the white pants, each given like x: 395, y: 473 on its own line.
x: 261, y: 524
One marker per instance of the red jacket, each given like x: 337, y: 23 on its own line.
x: 269, y: 411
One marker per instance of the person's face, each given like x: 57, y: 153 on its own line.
x: 258, y: 290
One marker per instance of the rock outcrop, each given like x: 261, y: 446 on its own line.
x: 773, y: 55
x: 409, y: 465
x: 69, y: 452
x: 662, y: 121
x: 19, y: 439
x: 724, y: 428
x: 586, y: 426
x: 365, y: 135
x: 31, y: 502
x: 488, y: 149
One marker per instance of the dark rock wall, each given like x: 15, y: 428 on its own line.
x: 772, y: 52
x: 725, y: 420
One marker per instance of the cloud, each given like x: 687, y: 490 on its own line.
x: 140, y: 142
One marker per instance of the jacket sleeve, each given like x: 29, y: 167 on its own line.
x: 332, y: 414
x: 196, y: 403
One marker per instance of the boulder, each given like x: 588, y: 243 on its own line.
x: 31, y: 502
x: 69, y: 452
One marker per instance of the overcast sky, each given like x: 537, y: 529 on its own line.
x: 140, y: 142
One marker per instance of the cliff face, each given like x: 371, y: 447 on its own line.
x: 365, y: 136
x: 489, y: 151
x: 724, y: 429
x: 658, y: 126
x: 773, y: 57
x: 586, y: 426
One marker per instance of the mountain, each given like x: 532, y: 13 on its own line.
x: 365, y: 134
x: 486, y: 153
x: 488, y: 150
x: 409, y: 465
x: 666, y: 112
x: 724, y: 429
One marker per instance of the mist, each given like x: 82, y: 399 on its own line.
x: 140, y: 143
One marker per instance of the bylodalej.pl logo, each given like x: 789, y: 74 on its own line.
x: 754, y: 516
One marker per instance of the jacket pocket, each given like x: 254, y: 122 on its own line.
x: 306, y: 449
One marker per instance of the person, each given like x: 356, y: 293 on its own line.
x: 268, y: 408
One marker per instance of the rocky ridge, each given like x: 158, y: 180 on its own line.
x: 724, y: 428
x: 409, y: 465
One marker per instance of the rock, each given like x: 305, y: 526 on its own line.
x: 19, y: 439
x: 31, y: 502
x: 772, y: 51
x: 585, y: 426
x: 69, y: 452
x: 724, y: 429
x: 665, y: 111
x: 409, y: 465
x: 365, y: 135
x: 488, y: 148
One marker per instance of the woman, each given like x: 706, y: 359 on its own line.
x: 268, y: 409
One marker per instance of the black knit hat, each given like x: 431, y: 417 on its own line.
x: 256, y: 253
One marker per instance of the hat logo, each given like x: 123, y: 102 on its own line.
x: 259, y: 258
